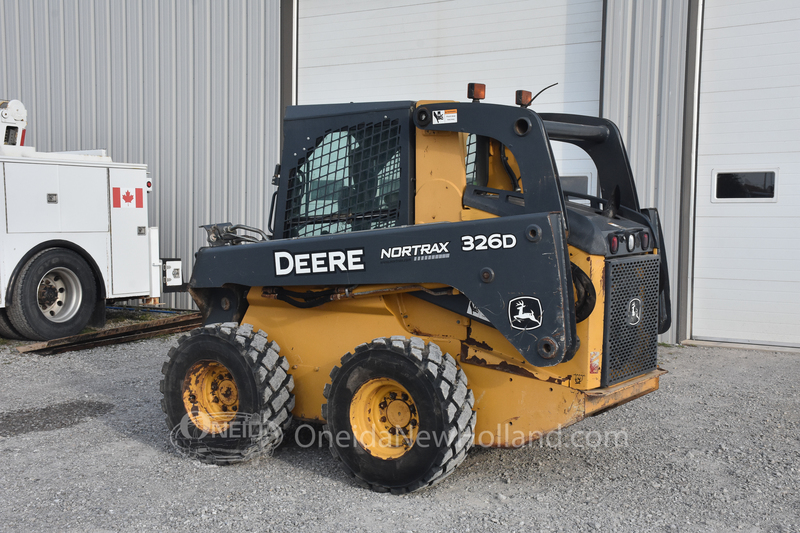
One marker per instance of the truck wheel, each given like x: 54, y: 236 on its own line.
x: 226, y: 393
x: 6, y: 329
x: 53, y: 296
x: 399, y: 414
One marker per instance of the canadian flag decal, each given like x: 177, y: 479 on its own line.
x: 126, y: 198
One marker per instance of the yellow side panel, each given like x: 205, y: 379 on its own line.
x: 441, y: 176
x: 585, y: 367
x: 515, y: 401
x: 438, y: 201
x: 498, y: 175
x: 514, y: 410
x: 314, y: 340
x: 427, y: 321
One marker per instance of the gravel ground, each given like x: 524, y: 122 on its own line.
x: 84, y: 447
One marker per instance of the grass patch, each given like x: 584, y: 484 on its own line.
x: 115, y: 317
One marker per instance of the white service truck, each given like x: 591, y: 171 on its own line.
x: 74, y: 234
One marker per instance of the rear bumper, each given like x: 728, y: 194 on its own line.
x: 600, y: 400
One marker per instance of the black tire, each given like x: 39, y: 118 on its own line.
x: 438, y: 406
x: 6, y: 329
x: 53, y: 296
x: 261, y: 385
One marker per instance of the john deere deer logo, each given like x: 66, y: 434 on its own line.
x: 633, y: 313
x: 525, y: 312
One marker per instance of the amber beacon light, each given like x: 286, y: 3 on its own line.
x: 476, y: 91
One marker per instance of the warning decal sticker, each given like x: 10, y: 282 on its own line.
x: 477, y: 313
x: 445, y: 116
x: 594, y: 363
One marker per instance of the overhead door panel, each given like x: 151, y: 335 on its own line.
x: 362, y: 51
x: 387, y: 50
x: 747, y: 249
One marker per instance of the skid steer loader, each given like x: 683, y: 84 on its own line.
x: 427, y: 286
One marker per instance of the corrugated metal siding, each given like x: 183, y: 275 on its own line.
x: 190, y: 88
x: 643, y: 92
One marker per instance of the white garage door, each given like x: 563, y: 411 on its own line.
x: 378, y: 50
x: 372, y: 50
x: 747, y: 238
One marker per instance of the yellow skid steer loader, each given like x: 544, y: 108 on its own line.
x: 428, y: 285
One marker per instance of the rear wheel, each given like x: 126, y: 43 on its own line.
x: 227, y: 395
x: 53, y: 296
x: 399, y: 414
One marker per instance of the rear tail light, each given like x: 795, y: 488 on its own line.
x: 645, y: 237
x: 613, y: 243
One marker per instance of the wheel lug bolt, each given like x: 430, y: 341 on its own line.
x: 192, y: 398
x: 393, y: 395
x: 383, y: 419
x: 392, y: 431
x: 404, y: 396
x: 413, y: 423
x: 382, y: 405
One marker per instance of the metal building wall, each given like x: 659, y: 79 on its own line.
x: 643, y: 92
x: 191, y: 88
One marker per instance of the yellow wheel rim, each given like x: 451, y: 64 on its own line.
x: 384, y: 418
x: 210, y: 396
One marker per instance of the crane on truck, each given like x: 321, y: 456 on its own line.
x: 428, y: 285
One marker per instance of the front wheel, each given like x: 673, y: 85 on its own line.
x: 399, y: 414
x: 227, y: 394
x: 53, y: 296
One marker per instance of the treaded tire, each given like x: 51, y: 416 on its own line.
x: 439, y: 392
x: 265, y: 399
x: 78, y: 299
x: 7, y: 329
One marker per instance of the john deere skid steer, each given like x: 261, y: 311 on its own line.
x: 428, y: 285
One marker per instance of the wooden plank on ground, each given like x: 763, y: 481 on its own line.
x: 143, y: 330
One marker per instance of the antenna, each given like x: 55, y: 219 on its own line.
x: 543, y: 90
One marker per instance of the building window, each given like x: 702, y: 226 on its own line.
x: 754, y: 186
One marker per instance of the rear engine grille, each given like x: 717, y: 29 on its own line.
x: 631, y: 327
